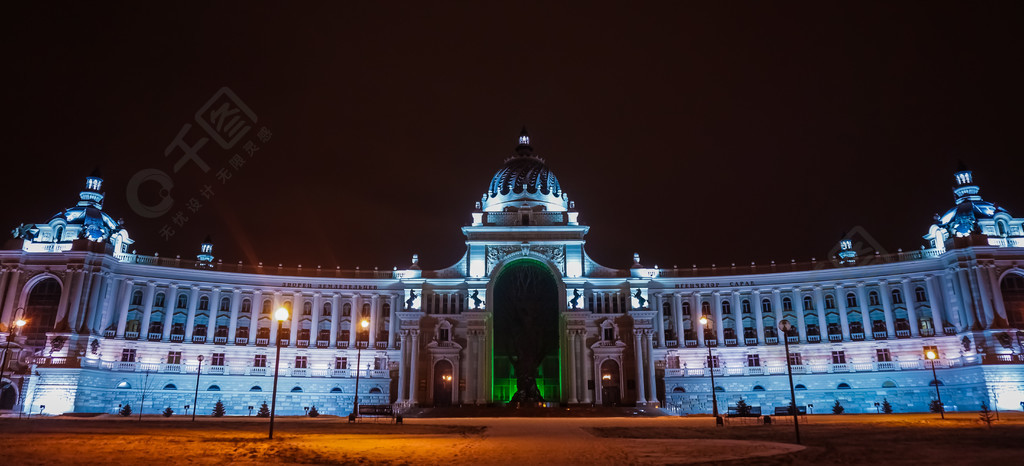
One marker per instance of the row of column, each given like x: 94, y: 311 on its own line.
x: 580, y: 359
x: 643, y: 349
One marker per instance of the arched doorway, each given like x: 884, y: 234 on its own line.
x: 41, y: 309
x: 610, y: 392
x: 443, y: 380
x: 8, y: 395
x: 1012, y: 288
x: 526, y: 363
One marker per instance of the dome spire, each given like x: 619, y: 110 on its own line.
x: 524, y: 148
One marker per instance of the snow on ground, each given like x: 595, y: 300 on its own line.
x: 884, y: 439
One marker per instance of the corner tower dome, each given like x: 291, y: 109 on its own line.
x: 524, y: 183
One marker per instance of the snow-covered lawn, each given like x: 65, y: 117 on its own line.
x: 880, y: 439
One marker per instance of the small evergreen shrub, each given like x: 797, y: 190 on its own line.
x: 838, y: 408
x: 218, y: 409
x: 126, y: 410
x: 935, y: 406
x: 168, y: 412
x: 313, y: 412
x: 264, y: 410
x: 742, y: 408
x: 986, y: 415
x: 886, y: 407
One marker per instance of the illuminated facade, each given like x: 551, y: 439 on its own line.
x: 107, y: 326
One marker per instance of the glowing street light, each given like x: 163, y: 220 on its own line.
x: 935, y: 380
x: 785, y: 326
x: 711, y: 369
x: 365, y: 324
x: 280, y: 315
x: 18, y: 324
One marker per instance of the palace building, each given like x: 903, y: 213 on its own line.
x: 525, y: 315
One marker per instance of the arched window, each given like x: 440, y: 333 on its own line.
x: 897, y: 297
x: 58, y: 233
x: 766, y: 306
x: 182, y: 301
x: 124, y: 386
x: 666, y: 308
x: 386, y: 308
x: 159, y: 300
x: 137, y: 298
x: 873, y: 298
x: 296, y: 389
x: 336, y: 390
x: 843, y: 386
x: 851, y: 300
x: 726, y: 307
x: 255, y: 388
x: 719, y: 389
x: 213, y: 388
x: 366, y: 310
x: 41, y: 309
x: 808, y: 303
x: 830, y: 302
x: 686, y: 309
x: 170, y: 386
x: 204, y: 303
x: 375, y: 391
x: 346, y: 310
x: 746, y: 306
x: 758, y: 388
x: 1001, y: 227
x: 246, y: 306
x: 787, y: 304
x: 705, y: 308
x: 888, y: 384
x: 931, y: 383
x: 679, y: 390
x: 287, y: 305
x: 307, y: 308
x: 327, y: 309
x: 920, y: 295
x: 266, y: 307
x: 800, y: 386
x: 225, y: 304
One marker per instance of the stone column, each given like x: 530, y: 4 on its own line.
x: 95, y: 287
x: 737, y: 313
x: 414, y: 355
x: 170, y: 305
x: 660, y: 313
x: 65, y: 294
x: 985, y: 291
x: 4, y: 275
x: 572, y: 368
x: 354, y: 323
x: 997, y: 293
x: 586, y: 367
x: 236, y: 306
x: 677, y: 318
x: 777, y: 307
x: 374, y: 322
x: 148, y: 297
x: 190, y: 319
x: 819, y: 300
x: 403, y: 384
x: 314, y: 319
x: 641, y: 397
x: 254, y: 316
x: 393, y: 321
x: 652, y: 394
x: 756, y: 298
x: 909, y: 299
x: 697, y: 307
x: 335, y: 312
x: 470, y: 359
x: 940, y: 312
x: 844, y: 318
x: 967, y: 302
x: 75, y: 303
x: 890, y: 321
x: 719, y: 321
x: 10, y: 297
x: 122, y: 314
x: 865, y: 311
x: 298, y: 307
x: 211, y: 319
x: 274, y: 340
x: 801, y: 324
x: 110, y: 293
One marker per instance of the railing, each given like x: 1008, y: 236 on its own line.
x: 927, y: 332
x: 771, y: 340
x: 799, y: 368
x: 840, y: 367
x: 109, y: 333
x: 198, y: 338
x: 1004, y: 358
x: 380, y: 373
x: 253, y: 269
x: 949, y: 330
x: 220, y: 340
x: 885, y: 366
x: 711, y: 343
x: 155, y: 336
x: 362, y: 344
x: 262, y: 341
x: 382, y: 345
x: 815, y: 338
x: 257, y: 371
x: 792, y: 339
x: 170, y: 368
x: 836, y: 337
x: 730, y: 342
x: 241, y: 340
x: 671, y: 343
x: 131, y: 335
x: 283, y: 342
x: 750, y: 341
x: 903, y: 333
x: 302, y: 343
x: 691, y: 343
x: 857, y: 336
x: 300, y: 372
x: 123, y: 366
x: 177, y: 337
x: 215, y: 370
x: 340, y: 373
x: 755, y: 370
x: 342, y: 344
x: 880, y: 335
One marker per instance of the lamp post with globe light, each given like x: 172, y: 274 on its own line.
x: 18, y: 324
x: 711, y: 369
x: 785, y: 326
x: 280, y: 315
x: 935, y: 380
x: 359, y: 359
x: 195, y: 401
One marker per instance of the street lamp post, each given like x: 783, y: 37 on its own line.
x: 195, y: 401
x: 359, y: 359
x: 10, y: 336
x: 280, y: 315
x: 935, y: 380
x: 786, y: 327
x: 711, y: 369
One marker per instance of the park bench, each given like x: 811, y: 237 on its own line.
x: 376, y: 412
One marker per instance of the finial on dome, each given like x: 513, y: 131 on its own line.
x: 524, y: 143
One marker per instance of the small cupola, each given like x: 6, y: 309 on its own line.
x: 206, y: 252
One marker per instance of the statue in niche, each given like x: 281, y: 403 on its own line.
x: 412, y: 299
x: 476, y: 299
x: 575, y: 301
x: 640, y: 298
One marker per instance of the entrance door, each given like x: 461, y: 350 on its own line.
x: 610, y: 394
x: 443, y: 380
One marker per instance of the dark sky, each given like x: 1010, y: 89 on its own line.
x: 693, y: 135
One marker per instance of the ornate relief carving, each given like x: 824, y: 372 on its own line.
x: 555, y: 254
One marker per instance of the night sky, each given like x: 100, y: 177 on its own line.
x: 692, y: 135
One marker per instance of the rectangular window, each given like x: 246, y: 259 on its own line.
x: 920, y: 296
x: 217, y: 359
x: 883, y: 355
x: 609, y: 334
x: 713, y: 361
x: 746, y: 307
x: 174, y: 357
x: 341, y: 363
x: 260, y: 360
x: 795, y: 359
x: 300, y: 362
x: 839, y: 357
x: 442, y: 334
x: 128, y: 355
x: 753, y: 360
x: 830, y: 302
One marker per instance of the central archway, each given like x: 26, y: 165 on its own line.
x: 526, y: 360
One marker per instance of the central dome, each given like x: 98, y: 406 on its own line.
x: 524, y: 182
